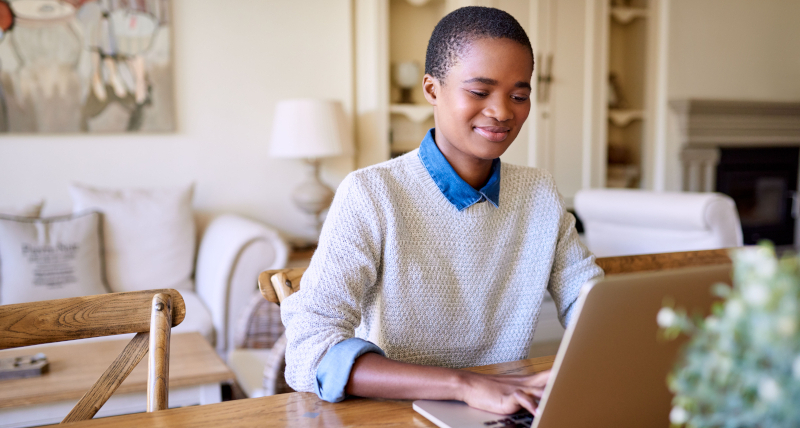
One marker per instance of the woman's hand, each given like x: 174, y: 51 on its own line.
x: 376, y: 376
x: 503, y: 394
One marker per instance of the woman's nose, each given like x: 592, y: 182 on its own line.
x: 498, y: 110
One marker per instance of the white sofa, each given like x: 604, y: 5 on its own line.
x: 222, y: 277
x: 150, y: 238
x: 233, y: 251
x: 621, y: 222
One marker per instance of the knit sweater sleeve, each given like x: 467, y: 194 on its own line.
x: 573, y: 266
x: 327, y: 309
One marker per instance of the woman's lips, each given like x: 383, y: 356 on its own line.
x: 493, y: 133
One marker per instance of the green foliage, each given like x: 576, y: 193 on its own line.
x: 741, y: 366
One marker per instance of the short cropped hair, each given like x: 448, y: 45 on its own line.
x: 454, y: 33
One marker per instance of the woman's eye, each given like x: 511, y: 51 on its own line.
x: 479, y: 94
x: 519, y: 98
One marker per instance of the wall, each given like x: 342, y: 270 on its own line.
x: 735, y: 49
x: 731, y: 49
x: 233, y: 62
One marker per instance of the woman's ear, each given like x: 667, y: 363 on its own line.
x: 430, y: 87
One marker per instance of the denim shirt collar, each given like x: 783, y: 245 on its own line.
x: 454, y: 188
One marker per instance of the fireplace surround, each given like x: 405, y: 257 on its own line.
x: 749, y: 150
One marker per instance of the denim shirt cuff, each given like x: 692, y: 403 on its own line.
x: 334, y: 369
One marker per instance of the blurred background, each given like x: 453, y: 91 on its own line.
x: 655, y: 94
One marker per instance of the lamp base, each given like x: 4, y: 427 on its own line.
x: 312, y: 196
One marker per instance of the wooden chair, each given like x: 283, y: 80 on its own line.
x: 150, y: 314
x: 276, y: 285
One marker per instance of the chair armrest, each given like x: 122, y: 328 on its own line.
x: 233, y: 251
x: 278, y: 284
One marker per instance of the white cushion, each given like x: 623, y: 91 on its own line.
x: 32, y: 209
x: 50, y: 258
x: 626, y: 222
x: 149, y: 235
x: 248, y: 366
x: 198, y: 318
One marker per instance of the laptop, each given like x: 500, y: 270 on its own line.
x: 612, y: 365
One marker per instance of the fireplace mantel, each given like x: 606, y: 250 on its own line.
x: 715, y: 123
x: 705, y: 126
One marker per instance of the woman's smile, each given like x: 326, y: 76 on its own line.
x: 494, y: 134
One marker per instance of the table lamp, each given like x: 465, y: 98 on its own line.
x: 310, y: 129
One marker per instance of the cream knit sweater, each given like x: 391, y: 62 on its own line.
x: 400, y: 266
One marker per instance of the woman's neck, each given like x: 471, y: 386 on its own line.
x: 475, y: 171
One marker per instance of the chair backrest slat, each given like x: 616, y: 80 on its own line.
x: 34, y: 323
x: 112, y: 378
x: 158, y: 362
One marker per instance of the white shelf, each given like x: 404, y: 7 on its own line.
x: 622, y: 118
x: 415, y: 113
x: 626, y: 15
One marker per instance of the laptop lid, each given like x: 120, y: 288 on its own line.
x: 612, y: 365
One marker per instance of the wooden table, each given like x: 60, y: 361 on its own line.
x: 195, y: 375
x: 300, y: 409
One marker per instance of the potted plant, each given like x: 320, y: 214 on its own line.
x: 741, y: 365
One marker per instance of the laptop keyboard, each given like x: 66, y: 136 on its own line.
x: 521, y: 419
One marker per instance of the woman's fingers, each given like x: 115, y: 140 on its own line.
x: 534, y: 380
x: 534, y: 391
x: 525, y: 400
x: 538, y: 385
x: 507, y: 394
x: 538, y: 379
x: 542, y: 377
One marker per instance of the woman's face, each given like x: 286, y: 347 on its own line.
x: 484, y: 99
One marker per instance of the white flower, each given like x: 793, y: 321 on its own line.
x: 756, y: 294
x: 712, y: 323
x: 666, y: 318
x: 768, y: 389
x: 796, y: 367
x: 766, y: 267
x: 749, y: 255
x: 678, y: 415
x: 754, y: 256
x: 734, y: 309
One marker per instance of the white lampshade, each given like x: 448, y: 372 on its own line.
x: 309, y: 128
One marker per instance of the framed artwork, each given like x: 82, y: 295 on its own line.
x: 86, y: 66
